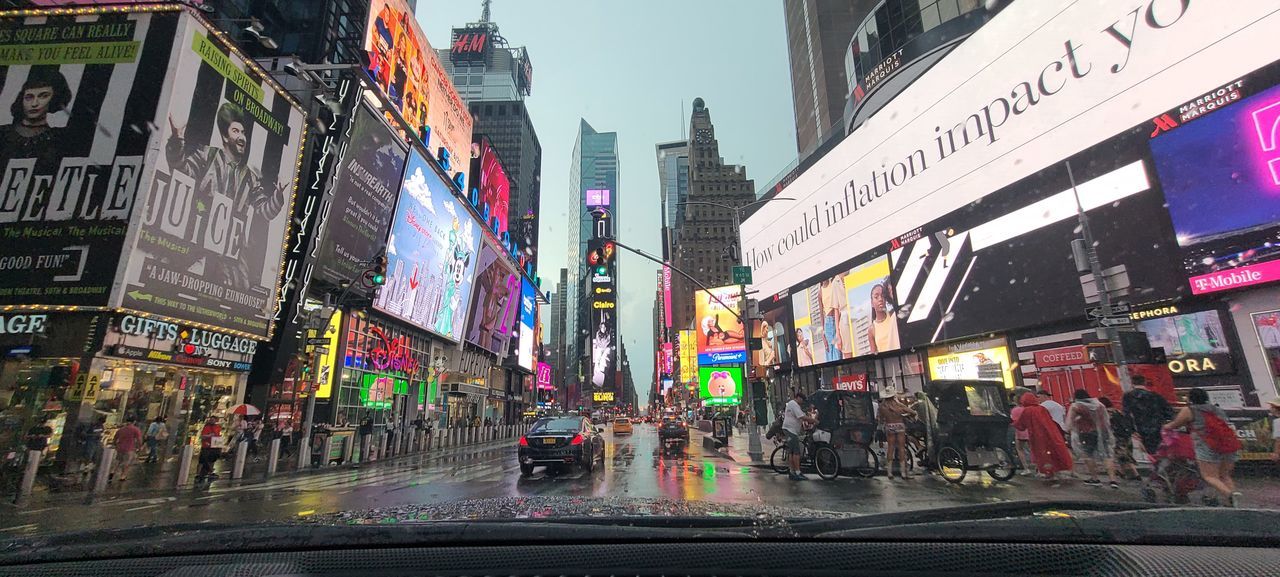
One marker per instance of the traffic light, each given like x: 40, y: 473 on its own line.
x: 380, y: 270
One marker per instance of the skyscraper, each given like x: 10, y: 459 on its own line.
x: 704, y: 242
x: 818, y: 34
x: 494, y: 79
x: 594, y: 167
x: 557, y: 336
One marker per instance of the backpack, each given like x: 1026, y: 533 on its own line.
x: 1218, y: 435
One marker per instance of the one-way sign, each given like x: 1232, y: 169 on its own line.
x: 1116, y: 309
x: 318, y: 341
x: 1115, y: 321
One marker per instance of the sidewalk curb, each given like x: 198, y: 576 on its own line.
x: 48, y: 498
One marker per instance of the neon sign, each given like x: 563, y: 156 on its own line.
x: 392, y: 355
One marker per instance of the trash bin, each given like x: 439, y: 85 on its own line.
x: 722, y: 428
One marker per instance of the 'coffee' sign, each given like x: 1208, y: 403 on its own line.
x: 1061, y: 357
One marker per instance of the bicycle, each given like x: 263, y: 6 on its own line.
x: 824, y: 459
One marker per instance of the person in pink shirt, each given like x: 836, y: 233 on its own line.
x: 127, y: 441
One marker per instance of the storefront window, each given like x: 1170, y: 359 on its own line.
x: 382, y: 371
x: 29, y: 389
x: 1267, y: 324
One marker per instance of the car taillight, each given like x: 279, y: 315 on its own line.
x: 524, y: 441
x: 577, y: 440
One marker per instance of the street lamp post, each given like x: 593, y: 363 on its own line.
x: 754, y: 448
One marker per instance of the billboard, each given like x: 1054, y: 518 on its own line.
x: 364, y: 198
x: 1195, y: 343
x: 720, y: 333
x: 982, y: 360
x: 490, y: 182
x: 431, y: 250
x: 528, y: 320
x: 1001, y: 107
x: 849, y: 314
x: 495, y: 302
x: 598, y: 197
x: 774, y: 337
x: 71, y: 164
x: 666, y: 296
x: 720, y: 385
x: 406, y: 68
x: 1221, y: 177
x: 543, y: 377
x: 687, y: 351
x: 604, y: 334
x: 208, y: 241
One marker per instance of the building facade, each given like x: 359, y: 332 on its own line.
x: 818, y: 33
x: 704, y: 242
x: 593, y: 167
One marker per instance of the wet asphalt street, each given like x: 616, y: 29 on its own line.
x: 461, y: 483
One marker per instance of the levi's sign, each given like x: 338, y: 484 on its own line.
x: 1040, y: 82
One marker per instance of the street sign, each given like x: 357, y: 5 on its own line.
x: 319, y: 341
x: 1116, y: 309
x: 1116, y: 279
x: 1115, y: 322
x: 742, y: 275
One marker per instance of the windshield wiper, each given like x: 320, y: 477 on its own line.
x: 1060, y: 521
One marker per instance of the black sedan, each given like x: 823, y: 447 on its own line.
x: 672, y: 429
x: 561, y: 441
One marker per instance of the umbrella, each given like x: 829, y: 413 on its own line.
x: 245, y: 409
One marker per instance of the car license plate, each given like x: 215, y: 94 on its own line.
x: 549, y: 441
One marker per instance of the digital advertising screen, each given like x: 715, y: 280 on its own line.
x: 528, y: 319
x: 1194, y: 344
x: 720, y: 385
x: 849, y: 314
x: 771, y: 329
x: 604, y: 334
x: 1220, y: 172
x: 84, y: 104
x: 984, y: 360
x: 490, y: 181
x: 406, y: 69
x: 364, y: 199
x: 687, y: 352
x: 431, y: 254
x: 495, y: 302
x: 211, y: 244
x: 974, y: 124
x: 598, y: 197
x: 721, y: 336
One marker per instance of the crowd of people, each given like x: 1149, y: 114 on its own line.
x: 1094, y: 435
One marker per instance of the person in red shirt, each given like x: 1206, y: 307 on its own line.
x: 127, y: 440
x: 210, y: 447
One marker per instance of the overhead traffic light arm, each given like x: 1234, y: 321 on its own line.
x: 702, y: 286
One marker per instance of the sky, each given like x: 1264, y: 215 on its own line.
x: 634, y: 68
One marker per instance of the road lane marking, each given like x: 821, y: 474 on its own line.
x: 20, y: 527
x: 33, y: 511
x: 141, y: 508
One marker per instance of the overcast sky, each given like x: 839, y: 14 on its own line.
x: 634, y: 68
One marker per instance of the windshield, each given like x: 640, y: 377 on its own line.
x: 410, y: 261
x: 557, y: 426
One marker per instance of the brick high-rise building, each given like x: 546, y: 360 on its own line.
x: 704, y: 243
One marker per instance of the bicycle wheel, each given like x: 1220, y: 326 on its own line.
x: 778, y: 460
x: 827, y: 462
x: 953, y: 464
x: 1003, y: 469
x: 866, y: 462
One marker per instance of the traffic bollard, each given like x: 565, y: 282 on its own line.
x: 326, y: 450
x: 184, y: 466
x: 242, y: 450
x: 29, y: 476
x: 273, y: 459
x: 348, y: 446
x: 104, y: 469
x: 365, y: 442
x: 304, y: 453
x: 382, y: 447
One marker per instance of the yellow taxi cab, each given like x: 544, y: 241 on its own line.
x: 621, y: 425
